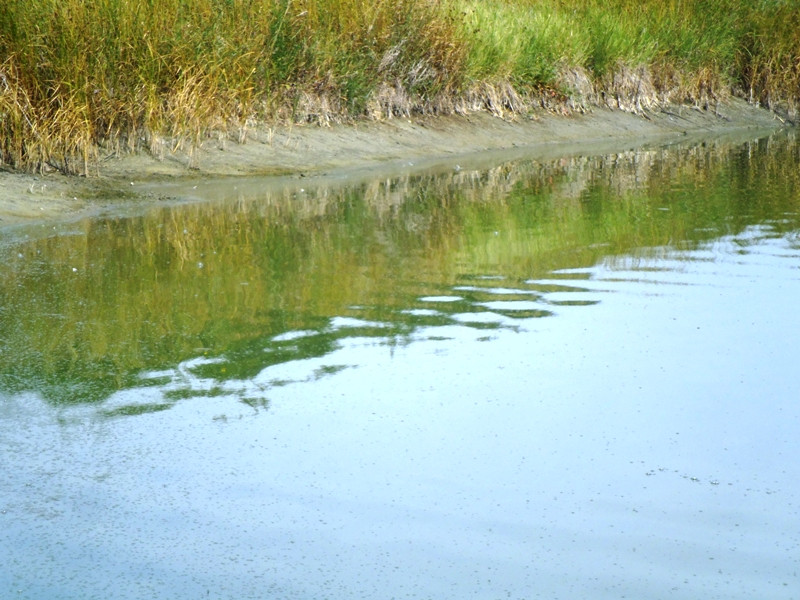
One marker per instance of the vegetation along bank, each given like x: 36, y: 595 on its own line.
x: 81, y: 80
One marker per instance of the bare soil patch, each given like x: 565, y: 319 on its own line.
x: 312, y: 149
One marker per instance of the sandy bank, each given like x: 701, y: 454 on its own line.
x: 311, y: 150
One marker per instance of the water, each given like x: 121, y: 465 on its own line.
x: 528, y: 380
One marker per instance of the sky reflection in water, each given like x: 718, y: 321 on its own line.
x: 537, y: 394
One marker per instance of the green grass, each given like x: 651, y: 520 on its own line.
x: 82, y: 76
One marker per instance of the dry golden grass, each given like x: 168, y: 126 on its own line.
x: 80, y: 79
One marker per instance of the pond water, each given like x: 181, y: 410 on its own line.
x: 565, y: 379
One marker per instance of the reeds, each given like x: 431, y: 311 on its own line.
x: 85, y: 78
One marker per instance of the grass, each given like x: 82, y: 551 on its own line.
x: 83, y: 77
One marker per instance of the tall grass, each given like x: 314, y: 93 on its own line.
x: 80, y: 77
x: 132, y: 73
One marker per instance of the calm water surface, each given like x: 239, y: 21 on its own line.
x: 572, y: 379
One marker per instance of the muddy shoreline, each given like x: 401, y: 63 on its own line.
x: 312, y: 151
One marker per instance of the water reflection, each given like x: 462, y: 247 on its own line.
x: 207, y: 292
x: 571, y: 379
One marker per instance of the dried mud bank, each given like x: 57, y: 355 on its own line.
x: 364, y: 146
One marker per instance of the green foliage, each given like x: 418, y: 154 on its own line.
x: 616, y: 37
x: 522, y: 42
x: 77, y: 75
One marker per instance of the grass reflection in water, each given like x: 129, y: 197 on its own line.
x: 211, y: 293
